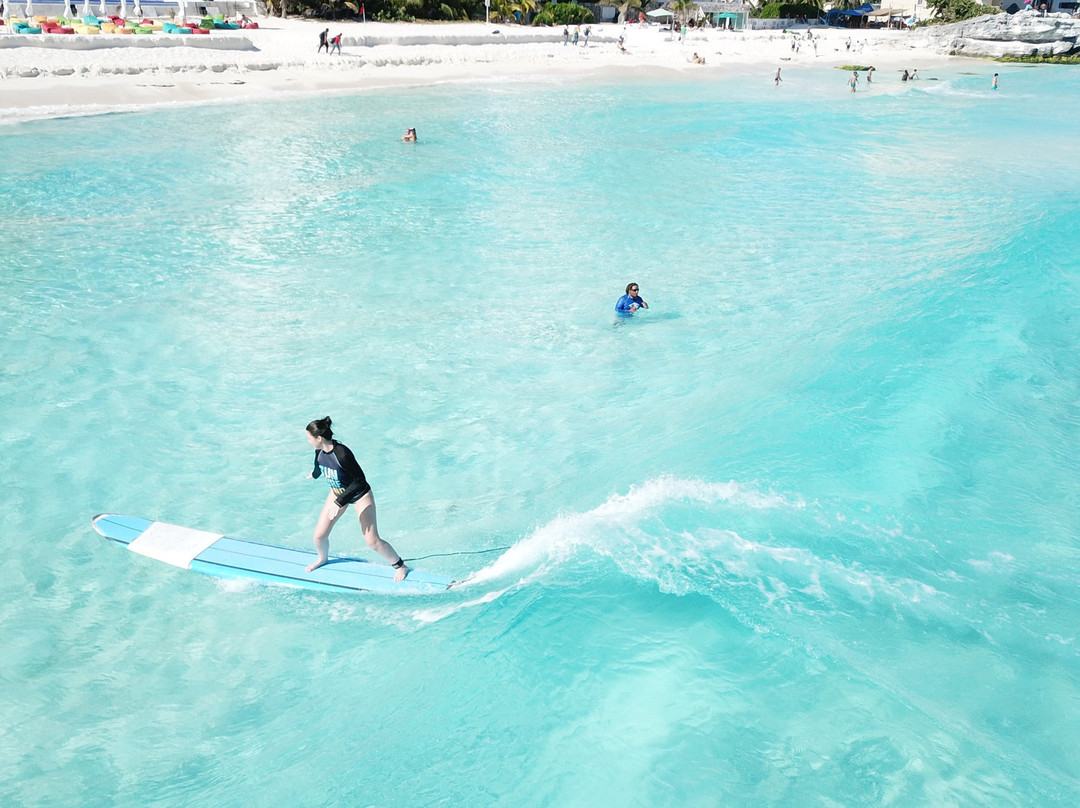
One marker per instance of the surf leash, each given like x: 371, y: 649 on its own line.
x: 461, y: 552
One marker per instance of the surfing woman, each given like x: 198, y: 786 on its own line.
x: 348, y: 486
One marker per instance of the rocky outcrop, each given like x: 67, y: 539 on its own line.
x: 1025, y: 33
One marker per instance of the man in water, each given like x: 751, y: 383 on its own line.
x: 631, y: 301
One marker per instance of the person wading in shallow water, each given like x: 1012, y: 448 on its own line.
x: 631, y: 301
x: 348, y: 486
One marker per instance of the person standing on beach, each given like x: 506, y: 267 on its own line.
x: 993, y: 84
x: 348, y: 486
x: 336, y: 42
x: 854, y: 81
x: 324, y: 41
x: 631, y: 301
x: 588, y: 31
x: 777, y: 80
x: 577, y: 33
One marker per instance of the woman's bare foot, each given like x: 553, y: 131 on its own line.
x: 317, y: 564
x: 402, y: 571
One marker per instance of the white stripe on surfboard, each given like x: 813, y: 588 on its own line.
x: 172, y: 544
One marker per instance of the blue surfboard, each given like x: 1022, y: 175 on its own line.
x: 231, y: 557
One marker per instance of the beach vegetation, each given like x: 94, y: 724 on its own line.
x: 776, y: 11
x: 1042, y: 60
x: 563, y: 14
x: 410, y: 10
x: 852, y: 68
x: 946, y: 11
x: 684, y: 10
x: 513, y: 10
x: 627, y: 6
x: 393, y: 11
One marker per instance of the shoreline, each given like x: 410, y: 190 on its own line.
x: 63, y: 76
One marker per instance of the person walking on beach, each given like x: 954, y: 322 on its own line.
x: 565, y: 34
x: 993, y: 84
x: 348, y: 486
x: 324, y: 41
x: 777, y: 80
x: 631, y: 301
x: 588, y: 31
x: 336, y: 42
x: 854, y: 81
x: 577, y: 33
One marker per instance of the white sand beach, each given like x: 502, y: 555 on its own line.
x: 48, y: 75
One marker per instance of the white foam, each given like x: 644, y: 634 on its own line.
x: 433, y: 615
x: 560, y: 538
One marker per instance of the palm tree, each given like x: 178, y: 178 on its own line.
x: 685, y: 10
x: 624, y: 8
x: 503, y: 10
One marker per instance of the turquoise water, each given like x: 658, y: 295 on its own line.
x: 805, y: 533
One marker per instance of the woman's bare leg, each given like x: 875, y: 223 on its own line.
x: 365, y: 508
x: 327, y: 519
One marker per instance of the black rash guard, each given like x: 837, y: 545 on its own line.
x: 344, y: 474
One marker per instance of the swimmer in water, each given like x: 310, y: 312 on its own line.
x: 409, y: 136
x: 348, y: 486
x: 631, y: 301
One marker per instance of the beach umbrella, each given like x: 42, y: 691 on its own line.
x: 123, y: 8
x: 101, y: 8
x: 138, y: 9
x: 29, y: 11
x: 659, y: 12
x: 183, y: 9
x: 85, y: 8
